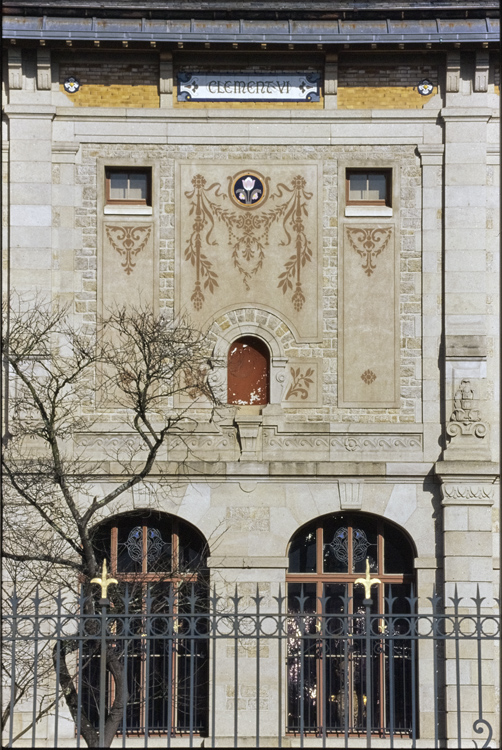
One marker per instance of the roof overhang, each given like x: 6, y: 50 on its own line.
x: 298, y: 32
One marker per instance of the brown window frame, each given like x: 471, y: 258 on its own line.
x: 128, y: 170
x: 320, y: 578
x: 142, y: 579
x: 387, y: 172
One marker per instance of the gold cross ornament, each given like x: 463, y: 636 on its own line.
x: 367, y: 582
x: 104, y: 581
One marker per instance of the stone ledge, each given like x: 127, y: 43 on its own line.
x: 487, y: 471
x: 226, y: 561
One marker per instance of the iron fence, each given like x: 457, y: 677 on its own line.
x: 256, y: 669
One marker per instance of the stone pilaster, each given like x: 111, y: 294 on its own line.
x: 248, y: 585
x: 330, y: 81
x: 30, y: 162
x: 468, y: 496
x: 466, y: 276
x: 166, y: 80
x: 431, y: 158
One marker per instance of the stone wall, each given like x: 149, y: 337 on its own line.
x: 326, y: 350
x: 384, y: 87
x: 112, y: 83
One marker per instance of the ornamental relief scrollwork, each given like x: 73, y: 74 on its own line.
x: 369, y: 242
x: 467, y: 491
x: 248, y: 232
x: 298, y: 442
x: 466, y: 418
x: 128, y: 241
x: 372, y: 443
x: 302, y: 380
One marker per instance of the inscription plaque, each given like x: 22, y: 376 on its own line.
x: 249, y: 86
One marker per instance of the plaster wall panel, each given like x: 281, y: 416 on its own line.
x: 127, y: 263
x: 369, y: 321
x: 248, y: 233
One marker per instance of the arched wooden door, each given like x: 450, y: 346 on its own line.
x: 248, y: 372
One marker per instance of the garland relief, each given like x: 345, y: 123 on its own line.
x: 249, y: 235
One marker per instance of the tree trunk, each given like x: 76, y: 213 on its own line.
x: 115, y: 666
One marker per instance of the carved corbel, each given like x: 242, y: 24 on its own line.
x: 453, y: 72
x: 15, y: 69
x: 351, y: 495
x: 44, y: 77
x: 249, y: 436
x: 482, y: 70
x: 330, y: 80
x: 166, y: 79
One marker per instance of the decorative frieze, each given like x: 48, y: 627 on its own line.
x: 458, y: 494
x: 128, y: 241
x: 369, y: 242
x: 307, y: 443
x: 364, y: 443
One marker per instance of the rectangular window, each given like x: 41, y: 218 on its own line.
x: 368, y: 187
x: 128, y: 187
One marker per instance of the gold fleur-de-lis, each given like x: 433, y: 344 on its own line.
x: 368, y: 582
x: 104, y: 581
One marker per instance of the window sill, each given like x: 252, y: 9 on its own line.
x: 129, y: 210
x: 368, y: 211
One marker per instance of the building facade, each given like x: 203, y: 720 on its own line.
x: 318, y: 190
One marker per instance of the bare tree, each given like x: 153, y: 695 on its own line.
x: 63, y: 381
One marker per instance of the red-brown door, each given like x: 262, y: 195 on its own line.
x: 248, y: 372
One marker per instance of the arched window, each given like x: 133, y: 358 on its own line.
x: 160, y: 563
x: 327, y: 676
x: 248, y: 372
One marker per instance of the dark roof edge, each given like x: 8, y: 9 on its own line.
x: 244, y: 31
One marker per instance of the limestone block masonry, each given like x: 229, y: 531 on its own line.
x: 378, y: 307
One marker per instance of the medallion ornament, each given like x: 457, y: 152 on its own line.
x: 425, y: 87
x: 248, y: 190
x: 71, y: 85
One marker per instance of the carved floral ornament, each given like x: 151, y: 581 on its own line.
x: 248, y: 231
x: 468, y: 492
x: 465, y: 418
